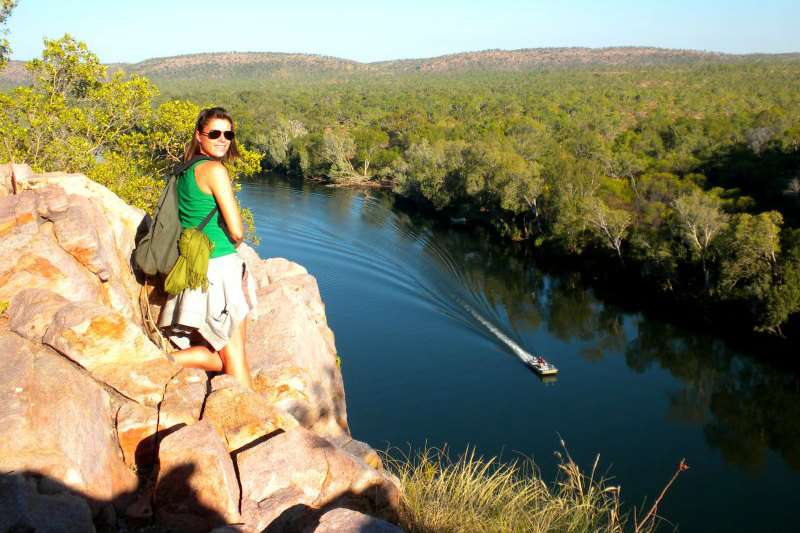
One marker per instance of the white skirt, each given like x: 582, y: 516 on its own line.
x: 214, y: 313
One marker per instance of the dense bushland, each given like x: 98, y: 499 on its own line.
x: 687, y: 176
x: 75, y: 117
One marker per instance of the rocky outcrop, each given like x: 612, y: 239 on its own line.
x: 56, y: 421
x: 343, y: 520
x: 197, y: 487
x: 243, y: 416
x: 300, y: 468
x: 100, y: 428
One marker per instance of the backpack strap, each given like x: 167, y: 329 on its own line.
x: 181, y: 168
x: 208, y: 218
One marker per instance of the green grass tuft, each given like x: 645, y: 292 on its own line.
x: 475, y: 494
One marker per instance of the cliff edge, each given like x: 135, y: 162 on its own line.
x: 99, y: 429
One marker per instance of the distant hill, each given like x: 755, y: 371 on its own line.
x: 259, y: 66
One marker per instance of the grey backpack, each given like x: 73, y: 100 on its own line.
x: 157, y: 251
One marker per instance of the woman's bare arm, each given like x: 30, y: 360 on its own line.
x: 215, y: 176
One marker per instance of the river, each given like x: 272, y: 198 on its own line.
x: 426, y: 317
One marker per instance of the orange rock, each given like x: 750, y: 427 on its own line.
x: 197, y: 487
x: 183, y: 400
x: 136, y: 432
x: 114, y: 350
x: 243, y: 416
x: 299, y: 468
x: 56, y: 422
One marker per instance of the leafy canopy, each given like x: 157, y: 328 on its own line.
x: 75, y: 117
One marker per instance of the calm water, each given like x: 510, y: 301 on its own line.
x: 417, y: 306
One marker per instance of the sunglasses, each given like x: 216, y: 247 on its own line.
x: 214, y: 134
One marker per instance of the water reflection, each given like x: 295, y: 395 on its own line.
x: 744, y: 406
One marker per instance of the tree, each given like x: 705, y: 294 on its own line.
x: 76, y: 118
x: 432, y: 171
x: 572, y: 184
x: 752, y: 244
x: 338, y: 150
x: 276, y: 141
x: 6, y: 6
x: 72, y: 116
x: 369, y: 141
x: 700, y: 220
x: 783, y: 298
x: 611, y: 225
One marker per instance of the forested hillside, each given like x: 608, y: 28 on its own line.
x: 685, y: 176
x: 251, y: 69
x: 678, y: 169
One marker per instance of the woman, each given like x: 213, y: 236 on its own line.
x: 210, y: 326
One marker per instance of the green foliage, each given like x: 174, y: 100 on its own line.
x: 476, y: 494
x: 752, y: 244
x: 6, y: 6
x: 783, y: 297
x: 75, y: 117
x: 678, y: 170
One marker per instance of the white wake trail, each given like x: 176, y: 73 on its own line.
x: 516, y: 348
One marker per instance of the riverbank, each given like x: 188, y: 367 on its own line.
x: 622, y: 284
x: 615, y: 282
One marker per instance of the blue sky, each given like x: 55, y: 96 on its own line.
x: 374, y: 30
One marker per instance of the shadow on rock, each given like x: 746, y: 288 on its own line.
x: 30, y: 501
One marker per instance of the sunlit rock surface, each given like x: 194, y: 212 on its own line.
x: 97, y: 422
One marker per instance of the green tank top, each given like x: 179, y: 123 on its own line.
x: 194, y: 205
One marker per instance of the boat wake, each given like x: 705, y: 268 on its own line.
x: 418, y: 263
x: 525, y: 356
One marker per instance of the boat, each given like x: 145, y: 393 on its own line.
x: 459, y: 221
x: 542, y: 367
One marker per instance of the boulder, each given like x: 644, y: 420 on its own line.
x: 278, y: 268
x: 18, y: 214
x: 255, y: 265
x: 35, y: 260
x: 32, y: 310
x: 293, y: 365
x: 305, y: 288
x: 21, y: 173
x: 123, y: 219
x: 359, y: 449
x: 196, y: 487
x: 136, y: 433
x: 183, y: 400
x: 78, y: 232
x: 298, y: 472
x: 343, y: 520
x: 113, y: 349
x: 84, y: 232
x: 243, y: 416
x: 71, y: 226
x: 55, y: 421
x: 223, y: 381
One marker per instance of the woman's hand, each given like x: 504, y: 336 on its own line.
x: 214, y: 176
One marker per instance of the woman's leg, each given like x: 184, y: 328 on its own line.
x: 198, y: 357
x: 234, y: 361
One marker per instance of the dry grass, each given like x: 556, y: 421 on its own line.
x: 475, y: 494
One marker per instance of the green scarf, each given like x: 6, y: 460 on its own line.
x: 190, y: 271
